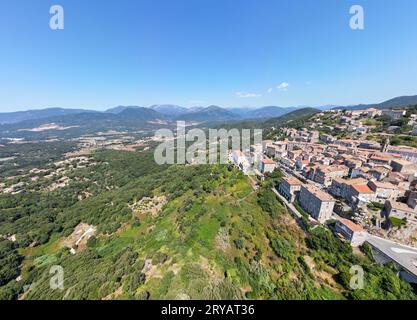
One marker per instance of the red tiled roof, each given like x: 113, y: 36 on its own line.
x: 351, y: 225
x: 268, y: 161
x: 323, y: 196
x: 362, y: 188
x: 293, y: 181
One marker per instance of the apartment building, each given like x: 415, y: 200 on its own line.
x: 351, y: 232
x: 289, y: 188
x: 316, y: 203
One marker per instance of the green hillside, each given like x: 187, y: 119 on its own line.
x: 212, y: 237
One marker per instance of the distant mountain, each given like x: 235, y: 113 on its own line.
x: 243, y: 112
x: 196, y: 108
x: 75, y: 125
x: 398, y: 102
x: 19, y: 116
x: 269, y: 112
x: 403, y: 101
x: 294, y: 118
x: 117, y: 110
x: 211, y: 113
x: 326, y: 107
x: 170, y: 109
x: 298, y: 116
x: 140, y: 114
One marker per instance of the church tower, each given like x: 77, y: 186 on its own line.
x: 386, y: 145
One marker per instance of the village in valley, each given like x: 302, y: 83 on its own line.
x: 364, y: 189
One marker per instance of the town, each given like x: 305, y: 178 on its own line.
x: 367, y: 188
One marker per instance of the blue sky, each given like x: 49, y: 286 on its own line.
x: 203, y: 52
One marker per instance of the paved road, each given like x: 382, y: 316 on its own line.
x: 405, y: 256
x: 287, y: 204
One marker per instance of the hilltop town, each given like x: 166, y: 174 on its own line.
x: 341, y: 171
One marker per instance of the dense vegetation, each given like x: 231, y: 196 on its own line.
x: 213, y: 238
x: 31, y: 155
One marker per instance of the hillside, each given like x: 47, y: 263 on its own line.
x: 117, y: 110
x: 212, y: 113
x: 19, y: 116
x: 170, y: 109
x: 398, y: 102
x: 210, y: 237
x: 295, y: 116
x: 75, y: 125
x: 269, y: 112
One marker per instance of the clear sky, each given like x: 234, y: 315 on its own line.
x: 231, y: 53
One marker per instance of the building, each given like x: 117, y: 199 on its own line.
x: 371, y: 145
x: 241, y: 161
x: 238, y: 157
x: 276, y: 150
x: 256, y: 152
x: 359, y: 193
x: 289, y: 188
x: 351, y: 232
x: 267, y: 165
x: 325, y: 174
x: 401, y: 211
x: 316, y: 203
x: 294, y: 154
x: 384, y: 191
x: 394, y: 114
x: 340, y: 187
x: 353, y: 163
x: 379, y: 160
x: 379, y: 172
x: 412, y: 200
x: 326, y: 138
x: 407, y: 153
x: 403, y: 166
x: 301, y: 164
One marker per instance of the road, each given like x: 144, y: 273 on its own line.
x: 405, y: 256
x: 289, y: 205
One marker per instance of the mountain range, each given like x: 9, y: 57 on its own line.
x: 19, y: 116
x: 160, y: 112
x: 174, y: 112
x: 397, y: 102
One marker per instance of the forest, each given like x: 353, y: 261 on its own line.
x: 213, y: 237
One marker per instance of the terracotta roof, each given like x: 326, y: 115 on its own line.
x: 268, y: 161
x: 350, y: 182
x: 293, y: 181
x: 402, y: 148
x: 362, y: 188
x: 319, y: 194
x: 351, y: 225
x: 380, y: 158
x: 384, y: 185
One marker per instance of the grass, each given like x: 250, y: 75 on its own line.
x: 195, y: 267
x: 397, y: 223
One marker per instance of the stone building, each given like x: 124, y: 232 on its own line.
x: 316, y: 203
